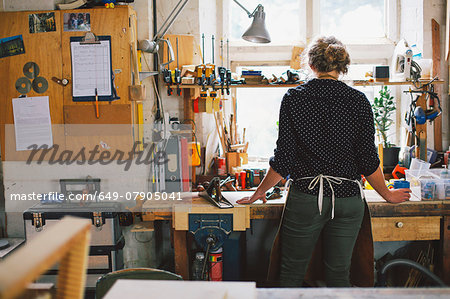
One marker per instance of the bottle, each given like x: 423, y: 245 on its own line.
x: 216, y: 264
x: 197, y: 266
x: 444, y: 173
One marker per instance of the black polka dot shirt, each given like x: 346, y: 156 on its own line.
x: 325, y: 127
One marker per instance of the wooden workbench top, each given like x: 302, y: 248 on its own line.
x: 272, y: 209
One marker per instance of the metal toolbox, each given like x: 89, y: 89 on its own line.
x: 105, y: 254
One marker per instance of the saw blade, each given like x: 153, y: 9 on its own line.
x: 31, y: 70
x: 40, y: 85
x: 23, y: 85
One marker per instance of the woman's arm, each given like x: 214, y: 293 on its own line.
x: 269, y: 181
x: 376, y: 180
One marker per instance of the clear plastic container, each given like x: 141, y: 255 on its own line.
x: 427, y: 185
x: 420, y: 165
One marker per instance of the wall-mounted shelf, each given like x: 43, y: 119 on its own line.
x: 349, y: 82
x: 374, y: 83
x: 218, y: 87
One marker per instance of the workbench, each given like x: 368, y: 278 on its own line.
x: 408, y: 221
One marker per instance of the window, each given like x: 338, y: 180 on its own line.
x: 352, y: 19
x: 368, y: 27
x: 259, y: 116
x: 282, y: 19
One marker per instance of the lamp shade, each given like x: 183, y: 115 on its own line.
x: 257, y: 32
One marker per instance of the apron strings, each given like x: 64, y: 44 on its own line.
x: 319, y: 179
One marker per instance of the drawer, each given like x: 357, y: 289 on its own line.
x: 406, y: 228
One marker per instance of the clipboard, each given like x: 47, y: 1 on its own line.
x: 92, y: 68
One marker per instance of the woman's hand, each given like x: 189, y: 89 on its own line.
x: 398, y: 195
x: 257, y: 195
x: 376, y: 179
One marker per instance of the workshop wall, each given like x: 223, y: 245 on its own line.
x: 186, y: 23
x: 436, y: 9
x: 415, y: 27
x: 20, y: 177
x: 197, y: 18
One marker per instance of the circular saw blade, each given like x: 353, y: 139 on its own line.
x: 31, y: 70
x: 23, y: 85
x: 40, y: 85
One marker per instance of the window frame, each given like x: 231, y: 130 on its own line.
x: 374, y: 50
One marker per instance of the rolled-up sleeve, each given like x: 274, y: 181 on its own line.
x: 282, y: 161
x: 366, y: 151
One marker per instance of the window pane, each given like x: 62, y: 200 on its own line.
x: 282, y: 19
x: 352, y: 18
x: 257, y: 112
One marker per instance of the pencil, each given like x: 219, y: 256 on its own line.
x: 96, y: 103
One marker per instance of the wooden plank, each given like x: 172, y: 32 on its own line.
x: 111, y: 132
x: 436, y: 47
x: 109, y: 114
x: 410, y: 208
x: 115, y: 23
x: 296, y: 58
x: 39, y: 254
x: 447, y: 32
x: 185, y: 50
x: 42, y: 48
x: 377, y: 209
x: 436, y: 56
x: 367, y: 83
x: 406, y: 228
x: 181, y: 254
x: 354, y: 83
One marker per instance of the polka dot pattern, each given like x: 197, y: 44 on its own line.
x: 325, y: 127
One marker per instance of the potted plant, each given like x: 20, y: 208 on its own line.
x: 383, y: 106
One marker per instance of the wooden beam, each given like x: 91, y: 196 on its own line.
x: 68, y: 242
x: 436, y: 47
x: 181, y: 254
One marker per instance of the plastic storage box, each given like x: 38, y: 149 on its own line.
x: 428, y: 185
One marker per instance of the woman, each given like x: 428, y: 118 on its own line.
x: 325, y: 143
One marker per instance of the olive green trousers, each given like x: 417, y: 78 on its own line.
x: 301, y: 227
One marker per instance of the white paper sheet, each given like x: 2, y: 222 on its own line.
x: 32, y: 123
x: 91, y: 68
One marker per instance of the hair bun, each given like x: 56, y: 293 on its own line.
x: 327, y: 54
x: 334, y: 52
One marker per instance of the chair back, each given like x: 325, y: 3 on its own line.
x: 105, y: 282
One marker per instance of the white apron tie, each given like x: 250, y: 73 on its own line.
x: 330, y: 180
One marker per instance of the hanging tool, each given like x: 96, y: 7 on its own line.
x: 221, y: 69
x: 167, y: 75
x: 210, y: 70
x: 228, y: 76
x: 97, y: 114
x: 200, y: 69
x: 178, y: 74
x: 211, y: 76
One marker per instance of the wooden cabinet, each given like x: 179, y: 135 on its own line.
x: 51, y: 52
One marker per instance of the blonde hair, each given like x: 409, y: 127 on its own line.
x: 326, y: 54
